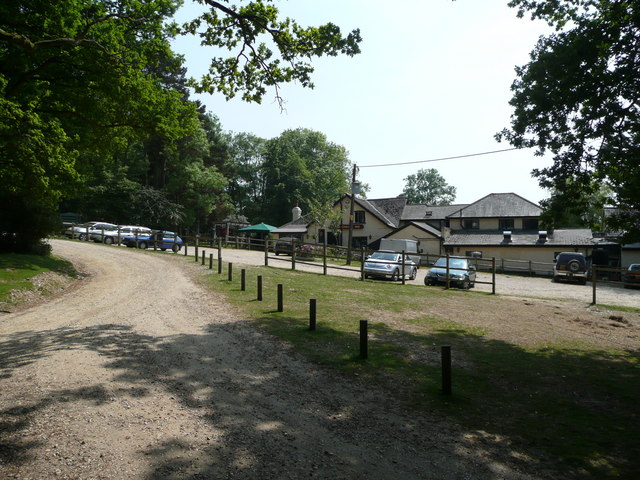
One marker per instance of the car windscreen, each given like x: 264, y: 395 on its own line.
x: 453, y: 263
x: 383, y: 256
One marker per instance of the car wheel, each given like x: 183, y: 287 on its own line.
x: 395, y: 276
x: 82, y: 237
x: 414, y: 272
x: 142, y: 245
x: 573, y: 266
x: 108, y: 240
x: 175, y: 248
x: 465, y: 285
x: 163, y: 249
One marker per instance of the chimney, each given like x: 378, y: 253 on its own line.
x: 507, y: 236
x: 542, y: 236
x: 296, y: 212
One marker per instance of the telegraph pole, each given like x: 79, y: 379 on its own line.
x: 351, y: 213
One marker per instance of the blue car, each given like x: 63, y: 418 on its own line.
x: 163, y: 240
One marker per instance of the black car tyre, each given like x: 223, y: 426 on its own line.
x: 142, y: 245
x: 396, y: 275
x: 163, y: 249
x: 414, y: 272
x: 108, y: 240
x: 82, y: 236
x: 465, y: 285
x: 175, y: 248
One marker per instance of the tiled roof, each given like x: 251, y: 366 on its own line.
x: 295, y: 226
x: 429, y: 212
x: 388, y: 210
x: 497, y: 205
x: 427, y: 228
x: 390, y: 207
x: 575, y: 237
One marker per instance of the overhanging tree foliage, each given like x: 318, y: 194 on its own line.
x: 81, y: 80
x: 578, y: 98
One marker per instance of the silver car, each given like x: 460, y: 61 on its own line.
x: 461, y: 273
x: 389, y: 264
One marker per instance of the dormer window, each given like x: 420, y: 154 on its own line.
x: 506, y: 224
x: 470, y: 224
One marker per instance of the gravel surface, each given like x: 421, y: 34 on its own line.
x: 137, y: 372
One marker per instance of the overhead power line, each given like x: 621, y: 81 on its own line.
x: 437, y: 159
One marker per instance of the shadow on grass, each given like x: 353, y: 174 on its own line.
x: 577, y: 408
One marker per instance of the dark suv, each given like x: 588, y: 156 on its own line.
x: 570, y: 266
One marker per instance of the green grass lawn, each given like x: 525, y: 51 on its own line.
x: 574, y: 405
x: 16, y: 270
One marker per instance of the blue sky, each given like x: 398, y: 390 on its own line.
x: 432, y: 81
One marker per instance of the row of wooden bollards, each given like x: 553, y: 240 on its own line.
x: 445, y: 350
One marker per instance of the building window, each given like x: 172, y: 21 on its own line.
x: 359, y: 216
x: 471, y: 224
x: 506, y: 224
x: 530, y: 224
x: 359, y: 242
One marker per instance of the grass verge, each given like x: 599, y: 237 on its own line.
x: 565, y: 405
x: 18, y: 270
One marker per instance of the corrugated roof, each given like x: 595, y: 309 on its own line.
x: 497, y: 205
x: 575, y: 237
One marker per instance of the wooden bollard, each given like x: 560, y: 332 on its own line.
x: 230, y: 272
x: 445, y: 353
x: 364, y: 332
x: 203, y: 255
x: 280, y: 300
x: 259, y: 288
x: 312, y: 314
x: 197, y: 253
x: 243, y: 279
x: 186, y: 249
x: 210, y: 261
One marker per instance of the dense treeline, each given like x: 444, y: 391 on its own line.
x: 95, y: 116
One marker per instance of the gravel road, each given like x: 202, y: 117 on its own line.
x: 137, y: 372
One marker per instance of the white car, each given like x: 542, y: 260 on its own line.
x: 389, y: 264
x: 80, y: 231
x: 118, y: 232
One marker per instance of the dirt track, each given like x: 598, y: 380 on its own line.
x: 139, y: 373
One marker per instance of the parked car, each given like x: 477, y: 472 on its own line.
x: 631, y: 277
x: 283, y: 245
x: 163, y: 240
x: 389, y: 264
x: 571, y: 266
x: 461, y: 272
x: 111, y: 236
x: 80, y: 231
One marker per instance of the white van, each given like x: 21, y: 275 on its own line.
x: 399, y: 245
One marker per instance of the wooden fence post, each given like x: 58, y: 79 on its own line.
x: 210, y: 261
x: 280, y: 299
x: 446, y: 369
x: 230, y: 272
x: 493, y: 275
x: 243, y: 279
x: 259, y: 288
x: 324, y: 254
x: 312, y: 314
x: 593, y: 283
x: 364, y: 347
